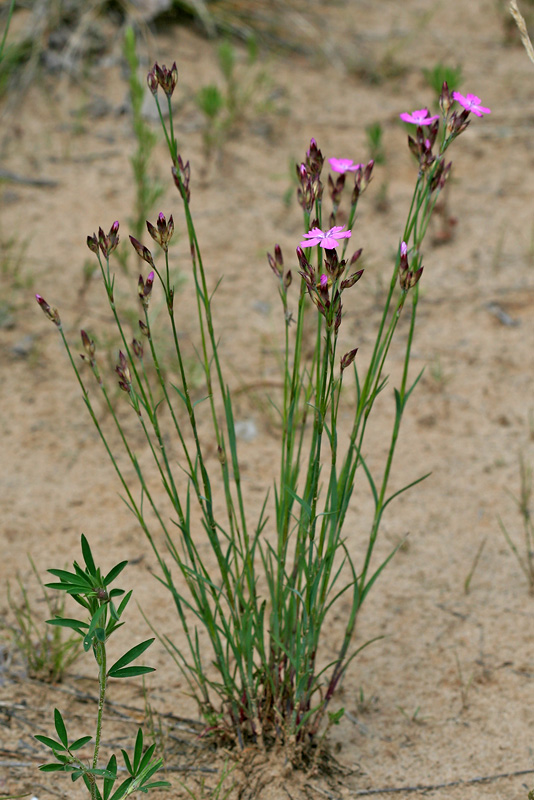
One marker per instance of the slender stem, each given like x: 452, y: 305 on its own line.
x: 100, y: 653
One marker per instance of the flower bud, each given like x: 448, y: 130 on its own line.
x: 88, y: 345
x: 142, y: 251
x: 348, y: 358
x: 182, y: 176
x: 145, y: 330
x: 51, y: 313
x: 109, y: 242
x: 161, y: 232
x: 123, y: 371
x: 92, y: 243
x: 137, y: 348
x: 152, y: 81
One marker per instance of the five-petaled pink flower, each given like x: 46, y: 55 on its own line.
x: 471, y: 102
x: 419, y: 117
x: 343, y: 165
x: 325, y: 239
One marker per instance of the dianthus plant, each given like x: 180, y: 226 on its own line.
x: 263, y: 589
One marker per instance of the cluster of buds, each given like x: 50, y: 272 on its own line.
x: 421, y: 146
x: 51, y: 313
x: 123, y: 371
x: 325, y: 290
x: 336, y: 190
x: 161, y: 232
x: 310, y: 188
x: 457, y: 122
x: 161, y: 76
x: 142, y: 251
x: 182, y: 175
x: 276, y: 263
x: 407, y: 277
x: 362, y: 179
x: 144, y: 288
x: 439, y: 178
x: 106, y: 242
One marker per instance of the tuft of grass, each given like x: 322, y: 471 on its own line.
x: 440, y: 73
x: 525, y: 559
x: 46, y: 654
x: 225, y: 108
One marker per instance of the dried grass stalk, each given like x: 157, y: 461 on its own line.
x: 521, y: 24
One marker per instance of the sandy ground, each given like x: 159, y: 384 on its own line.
x: 444, y: 699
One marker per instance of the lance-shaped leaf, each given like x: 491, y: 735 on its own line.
x: 51, y: 743
x: 109, y: 782
x: 60, y: 727
x: 114, y: 572
x: 88, y: 556
x: 119, y: 668
x: 76, y: 625
x: 80, y: 742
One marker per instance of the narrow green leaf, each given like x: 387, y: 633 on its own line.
x: 51, y: 743
x: 80, y: 742
x: 155, y: 785
x: 121, y: 791
x: 124, y: 602
x: 60, y: 727
x: 131, y: 655
x: 126, y: 758
x: 138, y: 750
x: 109, y: 782
x: 71, y: 588
x: 146, y: 759
x: 114, y: 572
x: 88, y: 556
x: 53, y: 767
x: 130, y: 672
x: 75, y: 624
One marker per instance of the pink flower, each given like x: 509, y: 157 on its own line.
x: 343, y: 165
x: 472, y: 103
x: 419, y: 117
x: 325, y: 239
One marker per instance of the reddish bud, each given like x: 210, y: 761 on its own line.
x: 152, y: 81
x: 145, y: 330
x: 51, y: 313
x: 109, y: 242
x: 88, y: 344
x: 142, y: 251
x: 346, y: 284
x: 137, y: 348
x: 348, y: 358
x: 182, y: 176
x: 445, y: 98
x: 92, y: 243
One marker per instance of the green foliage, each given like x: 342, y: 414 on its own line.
x: 46, y: 655
x: 375, y: 144
x: 436, y: 76
x: 225, y: 108
x: 525, y: 559
x: 90, y: 588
